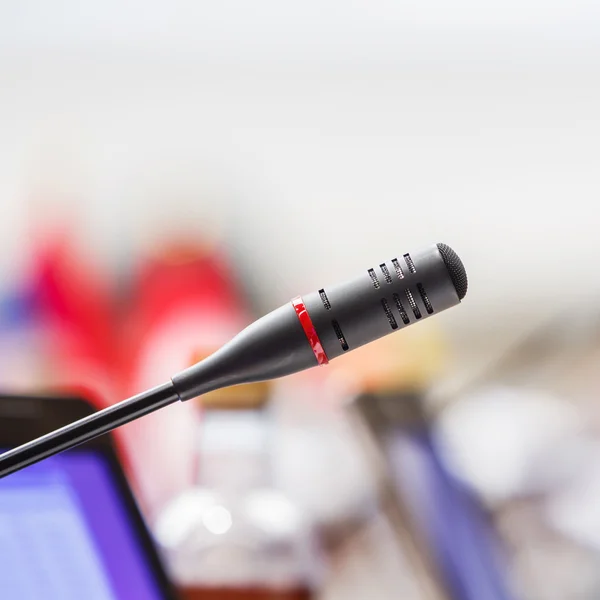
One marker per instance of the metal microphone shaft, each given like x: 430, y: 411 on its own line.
x: 87, y: 428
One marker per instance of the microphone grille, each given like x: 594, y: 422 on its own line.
x: 456, y: 270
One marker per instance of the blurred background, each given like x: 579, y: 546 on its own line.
x: 171, y: 170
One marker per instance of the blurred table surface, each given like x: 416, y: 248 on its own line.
x: 243, y: 593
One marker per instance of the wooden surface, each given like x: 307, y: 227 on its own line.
x: 243, y: 594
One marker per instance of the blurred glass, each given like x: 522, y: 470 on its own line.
x: 234, y: 531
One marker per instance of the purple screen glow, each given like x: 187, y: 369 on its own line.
x: 65, y: 535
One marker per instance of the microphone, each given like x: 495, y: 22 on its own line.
x: 309, y: 331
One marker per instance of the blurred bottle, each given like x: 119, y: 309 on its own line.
x: 235, y: 535
x: 185, y: 298
x: 371, y: 539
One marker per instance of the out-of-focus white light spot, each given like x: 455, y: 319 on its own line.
x: 272, y: 512
x: 181, y: 517
x: 217, y: 520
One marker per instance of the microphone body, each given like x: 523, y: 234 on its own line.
x: 309, y: 331
x: 325, y: 324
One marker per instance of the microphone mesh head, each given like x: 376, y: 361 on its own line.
x: 456, y: 270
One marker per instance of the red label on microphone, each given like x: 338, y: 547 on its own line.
x: 310, y: 331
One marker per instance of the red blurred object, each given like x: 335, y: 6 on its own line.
x: 185, y: 303
x: 76, y: 315
x: 183, y: 286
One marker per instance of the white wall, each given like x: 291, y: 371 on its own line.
x: 331, y: 134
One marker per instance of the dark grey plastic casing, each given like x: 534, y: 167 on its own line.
x: 385, y: 298
x: 273, y: 346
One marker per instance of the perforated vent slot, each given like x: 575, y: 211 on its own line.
x: 386, y: 273
x: 340, y: 335
x: 325, y: 299
x: 425, y: 298
x: 398, y: 268
x: 388, y: 314
x: 401, y: 310
x: 410, y: 264
x: 413, y: 304
x: 374, y: 279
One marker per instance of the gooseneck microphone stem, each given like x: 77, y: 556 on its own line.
x: 308, y: 331
x: 87, y: 428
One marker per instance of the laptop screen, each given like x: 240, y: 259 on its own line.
x: 66, y: 534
